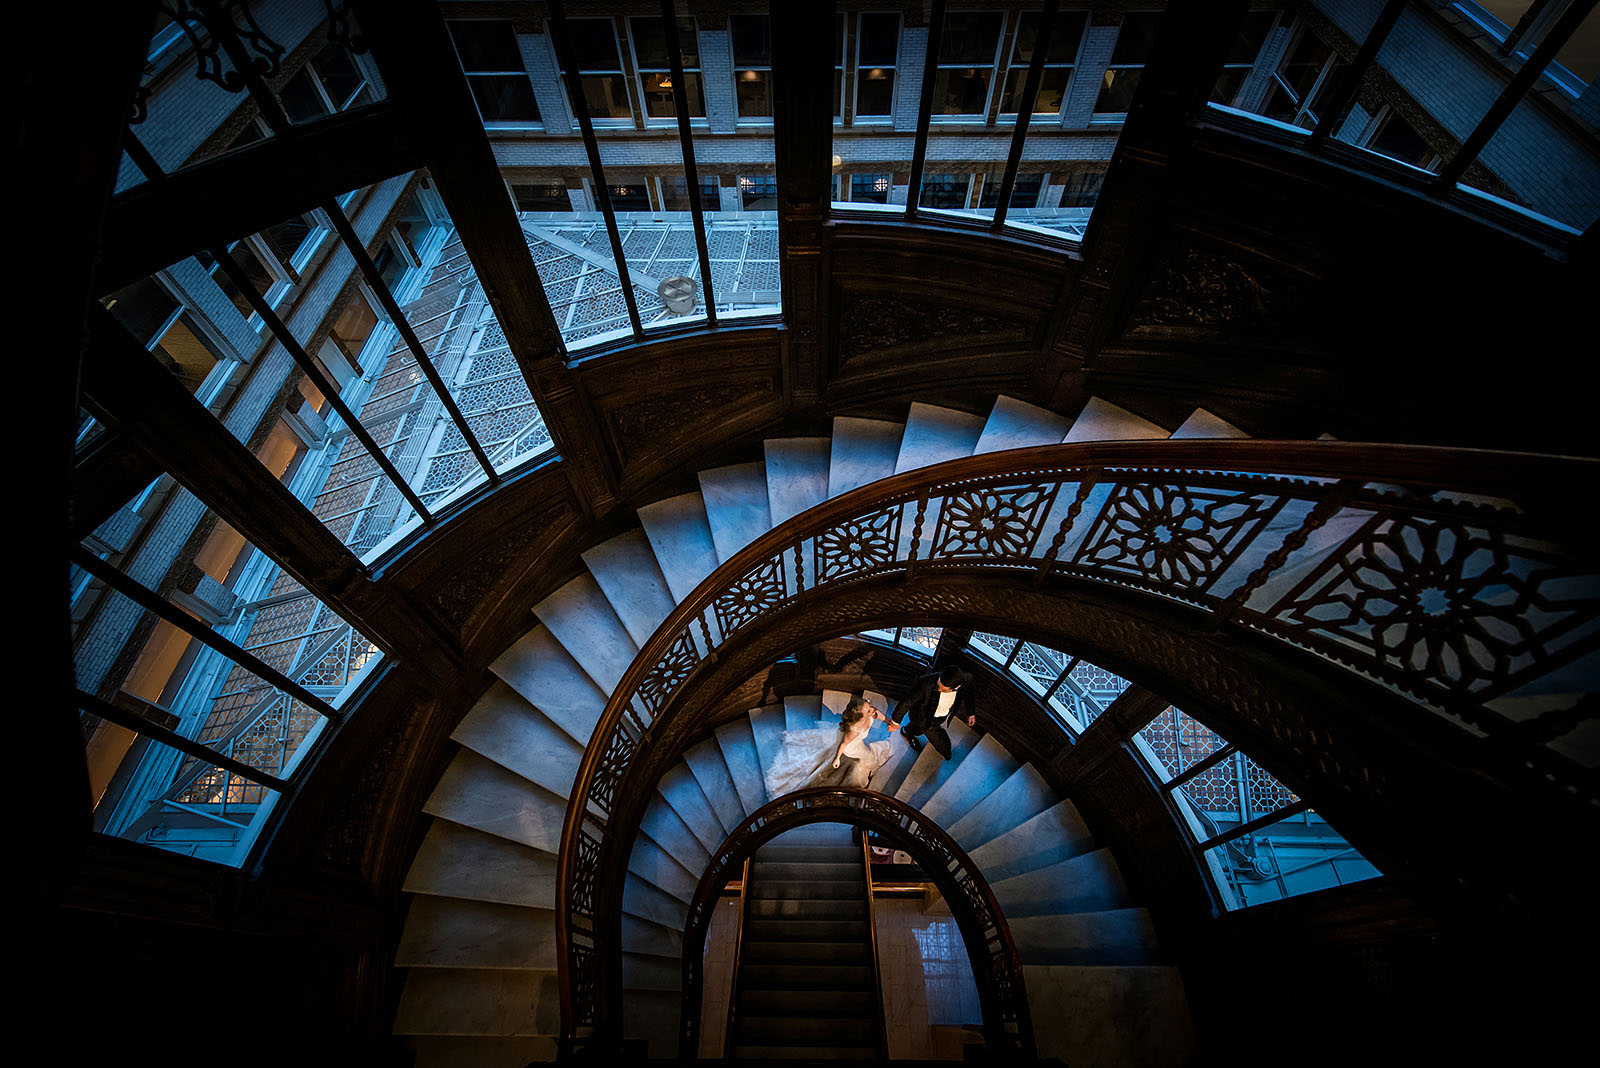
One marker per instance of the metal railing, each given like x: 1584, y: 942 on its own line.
x: 1450, y: 576
x: 996, y: 968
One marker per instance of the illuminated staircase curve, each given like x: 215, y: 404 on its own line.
x: 479, y: 942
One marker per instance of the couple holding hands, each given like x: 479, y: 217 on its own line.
x: 824, y: 756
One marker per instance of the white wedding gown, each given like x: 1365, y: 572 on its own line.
x: 806, y: 759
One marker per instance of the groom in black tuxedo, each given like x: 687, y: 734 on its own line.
x: 932, y: 701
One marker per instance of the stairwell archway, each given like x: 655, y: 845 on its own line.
x: 1007, y: 1026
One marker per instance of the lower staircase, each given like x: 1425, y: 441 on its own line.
x: 807, y: 984
x: 478, y: 946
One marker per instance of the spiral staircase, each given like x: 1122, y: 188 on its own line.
x: 479, y: 943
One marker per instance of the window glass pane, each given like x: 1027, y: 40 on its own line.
x: 144, y: 308
x: 459, y: 334
x: 1580, y: 56
x: 997, y: 646
x: 877, y: 51
x: 542, y: 196
x: 594, y: 44
x: 1297, y: 855
x: 925, y: 637
x: 1098, y: 683
x: 1041, y: 666
x: 215, y: 817
x: 944, y: 191
x: 492, y: 60
x: 970, y: 37
x: 1134, y: 39
x: 869, y: 188
x: 333, y: 80
x: 166, y: 540
x: 879, y: 40
x: 485, y: 44
x: 675, y: 196
x: 655, y: 67
x: 751, y: 36
x: 504, y: 97
x: 1177, y: 742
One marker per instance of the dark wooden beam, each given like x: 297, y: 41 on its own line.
x: 1130, y: 216
x: 131, y: 393
x: 423, y: 76
x: 802, y: 75
x: 156, y: 224
x: 63, y: 143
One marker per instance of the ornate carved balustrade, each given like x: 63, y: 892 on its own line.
x: 1452, y: 577
x: 996, y: 969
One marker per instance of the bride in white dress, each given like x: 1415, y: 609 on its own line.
x: 824, y: 756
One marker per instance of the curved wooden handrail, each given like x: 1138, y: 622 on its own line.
x: 1007, y: 1025
x: 1510, y: 502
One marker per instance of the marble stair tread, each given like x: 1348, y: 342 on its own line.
x: 834, y: 703
x: 812, y: 835
x: 802, y: 713
x: 667, y: 829
x: 933, y: 435
x: 1014, y: 424
x: 797, y: 475
x: 480, y: 793
x: 1022, y: 796
x: 737, y: 741
x: 1286, y: 520
x: 658, y: 868
x: 643, y: 971
x: 458, y: 861
x: 447, y: 932
x: 767, y: 725
x: 1040, y: 841
x: 626, y: 570
x: 736, y: 505
x: 479, y: 1001
x: 1203, y: 424
x: 680, y: 536
x: 1124, y: 1014
x: 511, y: 732
x: 1325, y: 540
x: 1088, y: 882
x: 641, y: 899
x: 983, y: 771
x: 677, y: 785
x: 864, y: 450
x: 541, y: 670
x: 902, y: 758
x: 1103, y: 421
x: 583, y: 621
x: 1110, y: 936
x: 931, y: 770
x: 716, y: 782
x: 480, y: 1051
x: 642, y: 936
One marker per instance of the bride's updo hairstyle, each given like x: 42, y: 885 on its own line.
x: 853, y: 713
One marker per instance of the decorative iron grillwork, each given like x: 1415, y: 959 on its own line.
x: 1410, y: 589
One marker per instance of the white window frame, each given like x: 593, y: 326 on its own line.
x: 856, y: 118
x: 981, y: 117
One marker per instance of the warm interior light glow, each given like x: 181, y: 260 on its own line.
x: 875, y: 74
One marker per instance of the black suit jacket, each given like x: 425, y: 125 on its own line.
x: 918, y: 706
